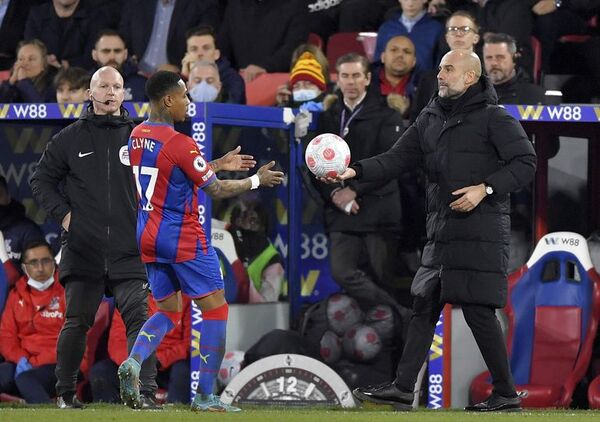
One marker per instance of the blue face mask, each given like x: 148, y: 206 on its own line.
x: 300, y: 95
x: 204, y: 92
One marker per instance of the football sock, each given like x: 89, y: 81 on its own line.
x: 150, y: 336
x: 212, y: 346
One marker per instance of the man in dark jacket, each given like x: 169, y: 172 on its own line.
x: 97, y: 211
x: 68, y: 29
x: 149, y: 27
x: 357, y: 214
x: 474, y: 154
x: 260, y: 36
x: 512, y: 85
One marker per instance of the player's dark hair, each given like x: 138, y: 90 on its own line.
x: 161, y: 83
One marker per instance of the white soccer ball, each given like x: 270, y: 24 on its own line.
x: 361, y: 343
x: 342, y: 313
x: 381, y: 317
x: 327, y: 155
x: 230, y: 367
x: 331, y: 347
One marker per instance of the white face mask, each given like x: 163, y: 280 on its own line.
x: 41, y: 285
x: 304, y: 94
x: 204, y: 92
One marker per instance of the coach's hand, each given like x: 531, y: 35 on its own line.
x: 269, y: 177
x: 234, y: 161
x: 348, y: 174
x: 471, y: 196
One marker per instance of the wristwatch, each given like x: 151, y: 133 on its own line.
x: 488, y: 189
x: 558, y: 3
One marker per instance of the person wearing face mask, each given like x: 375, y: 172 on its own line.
x: 204, y: 83
x: 308, y: 85
x: 31, y: 322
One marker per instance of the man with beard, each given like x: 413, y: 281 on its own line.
x: 474, y: 154
x: 511, y: 83
x: 110, y: 50
x: 395, y: 80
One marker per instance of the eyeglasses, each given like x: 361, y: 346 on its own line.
x: 45, y: 262
x: 459, y: 30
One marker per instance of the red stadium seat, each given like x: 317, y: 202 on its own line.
x: 261, y: 91
x: 315, y: 40
x: 553, y: 310
x: 4, y: 75
x: 343, y: 43
x: 536, y: 46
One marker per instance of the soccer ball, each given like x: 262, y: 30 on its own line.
x: 361, y: 343
x: 342, y: 313
x: 230, y: 367
x: 381, y: 318
x: 327, y: 155
x: 331, y: 347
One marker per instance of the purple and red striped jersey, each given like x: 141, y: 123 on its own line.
x: 168, y: 168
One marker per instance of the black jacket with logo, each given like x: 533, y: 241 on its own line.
x: 85, y: 171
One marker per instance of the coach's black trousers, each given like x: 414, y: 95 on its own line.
x: 83, y: 298
x: 483, y: 323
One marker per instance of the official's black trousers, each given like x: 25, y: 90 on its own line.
x: 83, y: 298
x: 483, y: 323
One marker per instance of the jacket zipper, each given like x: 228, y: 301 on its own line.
x: 109, y: 209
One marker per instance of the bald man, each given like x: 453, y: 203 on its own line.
x: 474, y: 154
x: 97, y: 211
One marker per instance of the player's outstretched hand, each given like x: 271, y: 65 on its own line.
x: 234, y: 161
x: 269, y: 177
x: 349, y: 173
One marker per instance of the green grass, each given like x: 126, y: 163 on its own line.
x: 99, y: 412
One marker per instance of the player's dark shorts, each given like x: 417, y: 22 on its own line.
x: 196, y: 278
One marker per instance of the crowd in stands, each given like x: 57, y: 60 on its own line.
x: 50, y: 48
x: 249, y: 38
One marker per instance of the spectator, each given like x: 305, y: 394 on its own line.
x: 511, y: 83
x: 317, y: 53
x: 71, y: 85
x: 31, y: 77
x: 326, y: 17
x: 307, y: 86
x: 31, y: 322
x: 149, y: 27
x: 396, y: 77
x: 462, y: 31
x: 172, y: 355
x: 412, y: 20
x: 259, y: 37
x: 511, y: 17
x: 201, y: 45
x: 13, y: 15
x: 67, y: 28
x: 204, y: 84
x: 357, y: 216
x: 17, y: 230
x: 249, y: 223
x: 110, y: 50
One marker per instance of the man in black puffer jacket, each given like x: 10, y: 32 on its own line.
x: 97, y: 210
x: 474, y: 154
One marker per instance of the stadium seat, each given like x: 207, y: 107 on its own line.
x: 261, y: 91
x: 536, y: 46
x: 580, y: 38
x: 594, y: 393
x: 342, y: 43
x: 315, y: 40
x: 4, y: 75
x: 553, y: 310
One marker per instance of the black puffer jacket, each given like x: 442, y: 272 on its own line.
x: 478, y: 142
x: 89, y: 157
x: 373, y: 130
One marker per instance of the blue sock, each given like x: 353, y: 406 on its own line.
x: 150, y: 336
x: 212, y: 347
